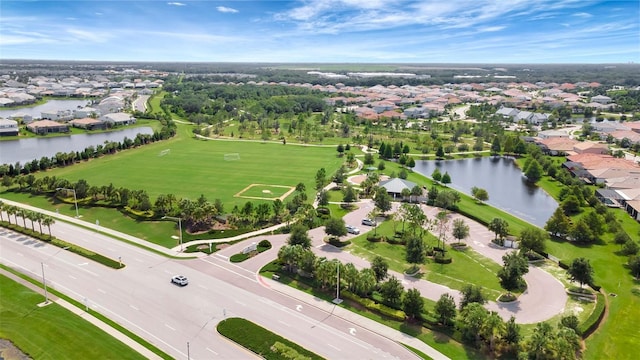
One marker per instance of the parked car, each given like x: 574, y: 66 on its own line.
x: 180, y: 280
x: 368, y: 222
x: 352, y: 230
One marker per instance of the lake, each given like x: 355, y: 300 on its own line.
x: 51, y: 105
x: 507, y: 187
x: 25, y: 150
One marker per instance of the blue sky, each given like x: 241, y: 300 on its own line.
x: 370, y: 31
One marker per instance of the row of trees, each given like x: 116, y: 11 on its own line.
x: 33, y: 216
x: 62, y: 159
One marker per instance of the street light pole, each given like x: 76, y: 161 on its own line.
x: 337, y: 300
x: 179, y: 227
x: 44, y: 282
x: 75, y: 199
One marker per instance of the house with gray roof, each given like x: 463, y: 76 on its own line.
x: 8, y: 127
x: 395, y: 186
x: 117, y: 119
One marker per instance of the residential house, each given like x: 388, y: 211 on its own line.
x: 8, y: 127
x: 117, y: 119
x: 590, y: 147
x: 601, y: 99
x: 43, y: 127
x: 88, y: 124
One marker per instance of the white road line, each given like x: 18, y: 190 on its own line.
x: 139, y: 260
x: 215, y: 353
x: 334, y: 347
x: 202, y: 286
x: 167, y: 325
x: 241, y: 303
x: 133, y: 307
x: 73, y: 277
x: 20, y: 254
x: 102, y: 291
x: 284, y: 323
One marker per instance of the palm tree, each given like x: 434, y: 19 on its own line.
x: 39, y: 217
x: 48, y: 221
x: 11, y: 210
x: 22, y: 212
x: 350, y: 275
x: 31, y: 215
x: 3, y: 206
x: 492, y: 327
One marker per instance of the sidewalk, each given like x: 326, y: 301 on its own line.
x: 86, y: 316
x: 354, y: 318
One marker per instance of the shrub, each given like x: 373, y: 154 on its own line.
x: 563, y: 265
x: 592, y: 322
x: 397, y: 241
x: 441, y: 258
x: 337, y: 243
x: 323, y: 211
x: 375, y: 238
x: 507, y: 297
x: 264, y: 244
x: 235, y: 258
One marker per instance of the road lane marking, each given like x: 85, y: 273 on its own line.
x: 334, y: 347
x: 102, y: 291
x: 167, y: 325
x: 139, y: 260
x: 20, y: 254
x: 299, y: 307
x: 241, y: 303
x: 202, y: 286
x: 83, y: 264
x: 284, y: 323
x: 73, y: 277
x: 215, y: 353
x: 133, y: 307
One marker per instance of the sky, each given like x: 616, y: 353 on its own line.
x: 321, y: 31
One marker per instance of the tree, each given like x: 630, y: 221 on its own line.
x: 630, y: 247
x: 289, y: 255
x: 532, y: 239
x: 471, y: 294
x: 500, y: 227
x: 413, y: 303
x: 416, y: 191
x: 460, y: 229
x: 299, y: 236
x: 479, y: 194
x: 621, y: 237
x: 445, y: 310
x: 492, y: 328
x: 470, y: 321
x: 634, y: 266
x: 581, y: 271
x: 446, y: 178
x: 380, y: 267
x: 323, y: 198
x: 439, y: 151
x: 382, y: 200
x: 571, y: 205
x: 48, y: 221
x: 321, y: 178
x: 534, y: 171
x: 510, y: 275
x: 558, y: 224
x: 542, y: 342
x: 495, y: 146
x: 511, y: 334
x: 335, y: 227
x: 391, y: 291
x: 436, y: 175
x: 340, y: 150
x: 350, y: 194
x: 581, y: 232
x: 415, y: 250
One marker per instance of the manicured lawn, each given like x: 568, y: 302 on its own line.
x: 260, y: 340
x: 193, y: 168
x: 52, y: 332
x: 467, y: 267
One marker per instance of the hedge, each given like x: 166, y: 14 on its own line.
x: 371, y: 305
x: 591, y: 324
x: 441, y: 259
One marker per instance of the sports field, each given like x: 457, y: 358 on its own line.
x: 194, y: 167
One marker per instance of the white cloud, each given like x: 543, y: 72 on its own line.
x: 491, y: 28
x: 224, y: 9
x: 583, y: 15
x: 176, y: 4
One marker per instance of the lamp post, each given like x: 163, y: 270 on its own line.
x: 75, y: 199
x: 44, y: 281
x: 179, y: 227
x: 337, y: 300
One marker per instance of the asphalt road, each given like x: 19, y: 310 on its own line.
x: 141, y: 298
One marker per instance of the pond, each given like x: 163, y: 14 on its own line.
x: 25, y: 150
x: 51, y: 105
x: 507, y: 187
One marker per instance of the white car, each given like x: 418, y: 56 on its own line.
x: 352, y: 230
x: 368, y: 222
x: 180, y: 280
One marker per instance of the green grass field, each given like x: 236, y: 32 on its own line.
x: 52, y: 332
x: 194, y: 167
